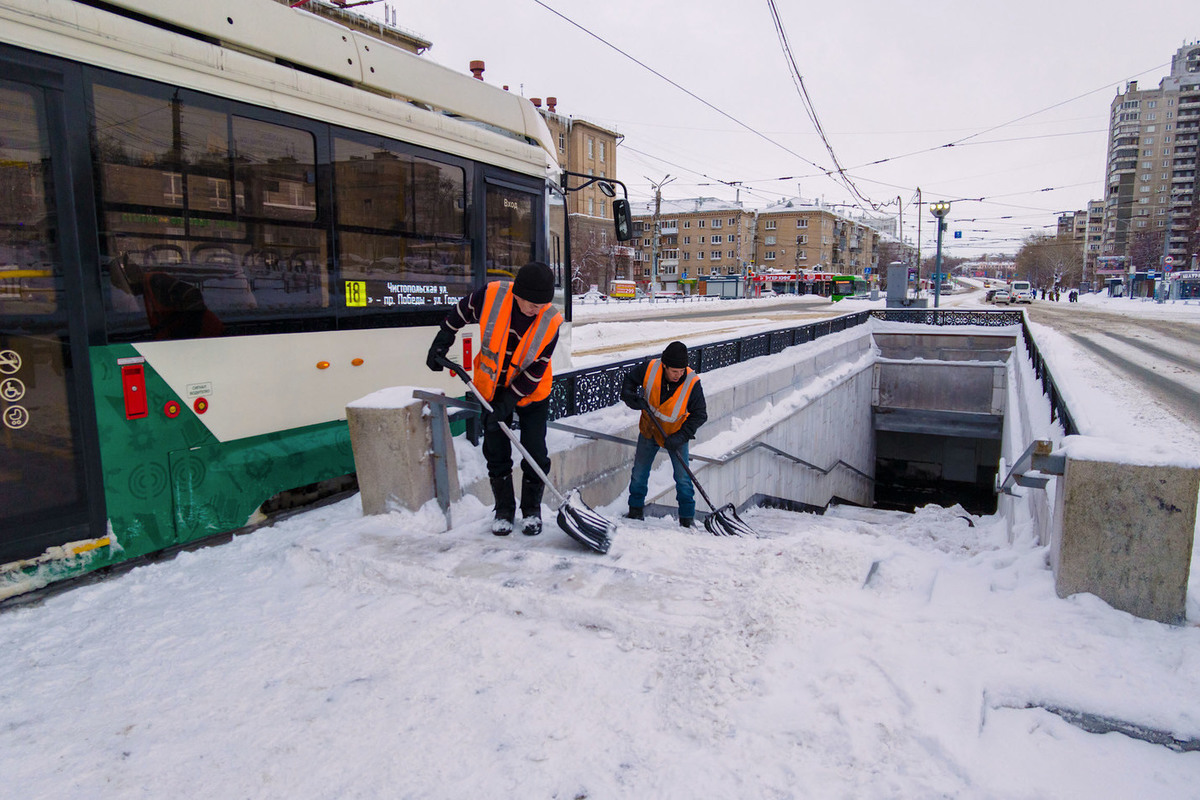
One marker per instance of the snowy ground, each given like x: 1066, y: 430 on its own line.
x: 859, y: 654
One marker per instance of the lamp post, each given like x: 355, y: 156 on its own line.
x: 939, y: 209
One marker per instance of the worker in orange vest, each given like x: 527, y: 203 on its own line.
x: 669, y: 389
x: 518, y: 333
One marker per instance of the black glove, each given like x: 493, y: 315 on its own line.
x: 675, y: 441
x: 502, y: 406
x: 632, y: 398
x: 439, y: 349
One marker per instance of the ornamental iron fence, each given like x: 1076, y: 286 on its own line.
x: 584, y: 390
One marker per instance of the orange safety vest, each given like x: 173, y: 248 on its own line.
x: 671, y: 411
x: 493, y: 328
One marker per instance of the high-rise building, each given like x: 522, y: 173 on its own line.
x: 1150, y: 181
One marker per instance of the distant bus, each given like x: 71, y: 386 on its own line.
x: 843, y: 286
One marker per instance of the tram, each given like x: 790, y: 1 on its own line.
x: 220, y: 222
x: 824, y: 284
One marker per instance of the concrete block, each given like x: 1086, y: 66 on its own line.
x: 391, y: 434
x: 1123, y: 532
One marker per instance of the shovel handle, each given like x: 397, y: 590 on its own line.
x: 462, y: 373
x: 675, y: 455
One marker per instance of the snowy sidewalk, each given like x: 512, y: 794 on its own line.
x: 340, y: 656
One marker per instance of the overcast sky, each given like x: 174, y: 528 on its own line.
x: 1023, y: 89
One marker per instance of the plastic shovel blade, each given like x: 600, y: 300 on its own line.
x: 583, y: 524
x: 726, y: 522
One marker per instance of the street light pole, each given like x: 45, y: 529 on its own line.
x: 939, y: 209
x: 657, y: 238
x: 918, y: 241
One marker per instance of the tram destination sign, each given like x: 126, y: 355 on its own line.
x: 392, y: 294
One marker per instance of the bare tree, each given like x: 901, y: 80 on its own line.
x: 1145, y: 251
x: 1049, y: 261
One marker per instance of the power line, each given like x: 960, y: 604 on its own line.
x: 686, y: 91
x: 811, y: 110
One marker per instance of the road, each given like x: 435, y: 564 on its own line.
x: 710, y: 321
x: 1159, y: 356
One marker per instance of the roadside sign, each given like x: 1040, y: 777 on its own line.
x: 1149, y: 273
x: 958, y: 234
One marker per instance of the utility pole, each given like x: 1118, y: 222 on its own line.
x: 918, y: 241
x: 657, y: 236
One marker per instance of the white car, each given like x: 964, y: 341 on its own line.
x: 1001, y: 296
x: 589, y: 298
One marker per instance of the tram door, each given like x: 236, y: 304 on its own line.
x: 43, y: 501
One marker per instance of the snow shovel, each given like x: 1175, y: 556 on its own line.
x: 723, y: 521
x: 575, y: 517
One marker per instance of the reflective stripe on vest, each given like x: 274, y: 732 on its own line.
x: 671, y: 411
x: 494, y: 329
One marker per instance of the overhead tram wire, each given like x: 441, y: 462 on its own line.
x: 686, y: 91
x: 965, y: 139
x: 811, y: 110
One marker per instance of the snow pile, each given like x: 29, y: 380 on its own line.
x: 856, y: 654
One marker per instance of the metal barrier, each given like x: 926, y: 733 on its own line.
x: 585, y: 390
x: 1058, y: 406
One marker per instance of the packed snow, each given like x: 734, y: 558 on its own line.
x: 856, y: 654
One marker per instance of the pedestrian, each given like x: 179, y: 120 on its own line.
x: 667, y: 388
x: 512, y: 370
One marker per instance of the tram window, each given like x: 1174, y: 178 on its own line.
x: 39, y: 445
x: 29, y: 268
x: 200, y: 230
x: 380, y: 188
x: 510, y: 230
x: 401, y: 226
x: 276, y: 170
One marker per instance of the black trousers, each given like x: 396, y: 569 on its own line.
x: 498, y: 452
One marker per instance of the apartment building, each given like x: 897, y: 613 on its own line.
x: 705, y: 245
x: 1093, y: 238
x: 800, y: 234
x: 1150, y: 181
x: 588, y: 148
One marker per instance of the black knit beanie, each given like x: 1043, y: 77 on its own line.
x: 535, y: 283
x: 675, y: 355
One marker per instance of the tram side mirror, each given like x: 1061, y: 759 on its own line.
x: 623, y: 219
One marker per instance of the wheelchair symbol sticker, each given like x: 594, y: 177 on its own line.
x: 10, y: 362
x: 16, y: 417
x: 12, y: 389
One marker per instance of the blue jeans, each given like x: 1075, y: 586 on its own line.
x: 643, y: 459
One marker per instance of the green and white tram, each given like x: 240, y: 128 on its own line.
x: 220, y: 222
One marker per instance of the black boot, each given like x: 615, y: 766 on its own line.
x: 635, y: 512
x: 531, y: 496
x: 686, y: 522
x: 506, y: 505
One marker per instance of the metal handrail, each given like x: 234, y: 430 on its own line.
x: 1037, y: 456
x: 731, y: 456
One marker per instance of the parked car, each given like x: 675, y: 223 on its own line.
x: 1001, y: 296
x: 990, y: 296
x: 589, y: 298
